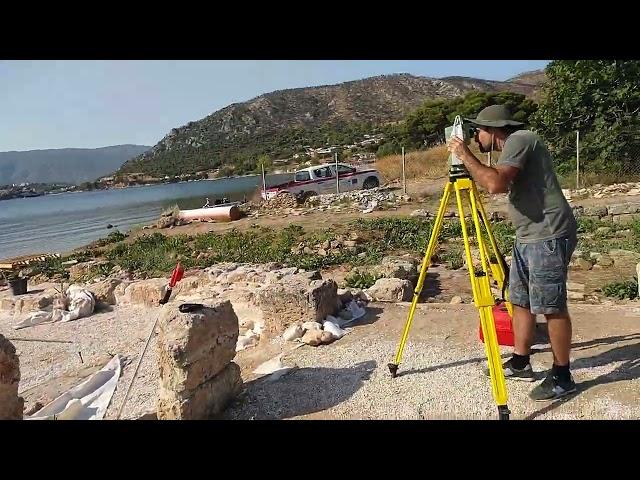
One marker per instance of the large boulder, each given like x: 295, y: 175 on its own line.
x: 404, y: 268
x: 194, y: 347
x: 32, y: 302
x: 145, y: 292
x: 296, y: 298
x: 204, y: 402
x: 104, y: 291
x: 390, y: 290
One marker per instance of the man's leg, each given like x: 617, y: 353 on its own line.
x: 518, y: 366
x: 524, y: 323
x: 560, y: 336
x: 549, y: 297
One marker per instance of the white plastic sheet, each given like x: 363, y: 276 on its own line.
x: 81, y: 304
x: 88, y: 400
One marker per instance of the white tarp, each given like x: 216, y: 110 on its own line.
x: 88, y: 400
x: 81, y: 304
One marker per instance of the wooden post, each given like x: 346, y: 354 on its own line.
x: 404, y: 177
x: 337, y: 173
x: 577, y: 159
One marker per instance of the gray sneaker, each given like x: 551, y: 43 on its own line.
x: 512, y: 373
x: 552, y: 388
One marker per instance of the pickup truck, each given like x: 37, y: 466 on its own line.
x: 321, y: 179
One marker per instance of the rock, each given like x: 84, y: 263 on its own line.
x: 7, y: 303
x: 79, y: 270
x: 596, y: 211
x: 575, y: 287
x: 579, y: 263
x: 624, y: 256
x: 119, y: 292
x: 420, y: 213
x: 623, y: 208
x: 199, y: 283
x: 604, y: 260
x: 11, y: 405
x: 293, y: 332
x: 165, y: 222
x: 398, y: 267
x: 32, y: 302
x: 327, y: 338
x: 145, y: 292
x: 250, y: 339
x: 350, y: 243
x: 456, y: 300
x: 105, y: 291
x: 205, y: 401
x: 625, y: 218
x: 312, y: 337
x: 322, y: 252
x: 390, y: 290
x: 571, y: 295
x: 296, y: 299
x: 603, y: 230
x: 194, y: 347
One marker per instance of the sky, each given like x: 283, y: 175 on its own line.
x: 97, y: 103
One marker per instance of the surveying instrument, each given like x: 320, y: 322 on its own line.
x: 463, y: 185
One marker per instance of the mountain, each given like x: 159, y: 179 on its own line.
x: 281, y: 123
x: 65, y: 165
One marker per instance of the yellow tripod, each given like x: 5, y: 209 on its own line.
x: 482, y: 295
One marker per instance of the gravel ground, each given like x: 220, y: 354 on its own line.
x: 440, y: 376
x: 97, y: 338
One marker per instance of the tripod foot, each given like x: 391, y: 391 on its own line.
x: 393, y: 368
x: 503, y: 412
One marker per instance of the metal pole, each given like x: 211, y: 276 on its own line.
x: 404, y: 177
x: 337, y: 173
x: 264, y: 183
x: 577, y: 159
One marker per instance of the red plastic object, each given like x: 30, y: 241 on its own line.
x: 176, y: 275
x: 504, y: 326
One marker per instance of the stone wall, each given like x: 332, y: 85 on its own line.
x: 11, y: 404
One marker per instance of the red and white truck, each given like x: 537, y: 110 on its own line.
x: 321, y: 179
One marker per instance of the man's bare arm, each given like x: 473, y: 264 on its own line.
x: 495, y: 179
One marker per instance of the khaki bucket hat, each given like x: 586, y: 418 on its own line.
x: 495, y: 116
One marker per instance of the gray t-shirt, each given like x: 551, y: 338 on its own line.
x: 537, y: 206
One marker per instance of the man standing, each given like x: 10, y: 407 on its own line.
x: 545, y: 240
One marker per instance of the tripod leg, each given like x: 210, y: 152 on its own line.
x: 433, y: 240
x: 499, y: 267
x: 485, y: 302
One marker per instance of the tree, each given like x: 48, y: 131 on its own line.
x: 601, y: 100
x: 266, y: 161
x: 424, y: 127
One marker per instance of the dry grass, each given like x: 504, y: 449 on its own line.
x: 431, y: 163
